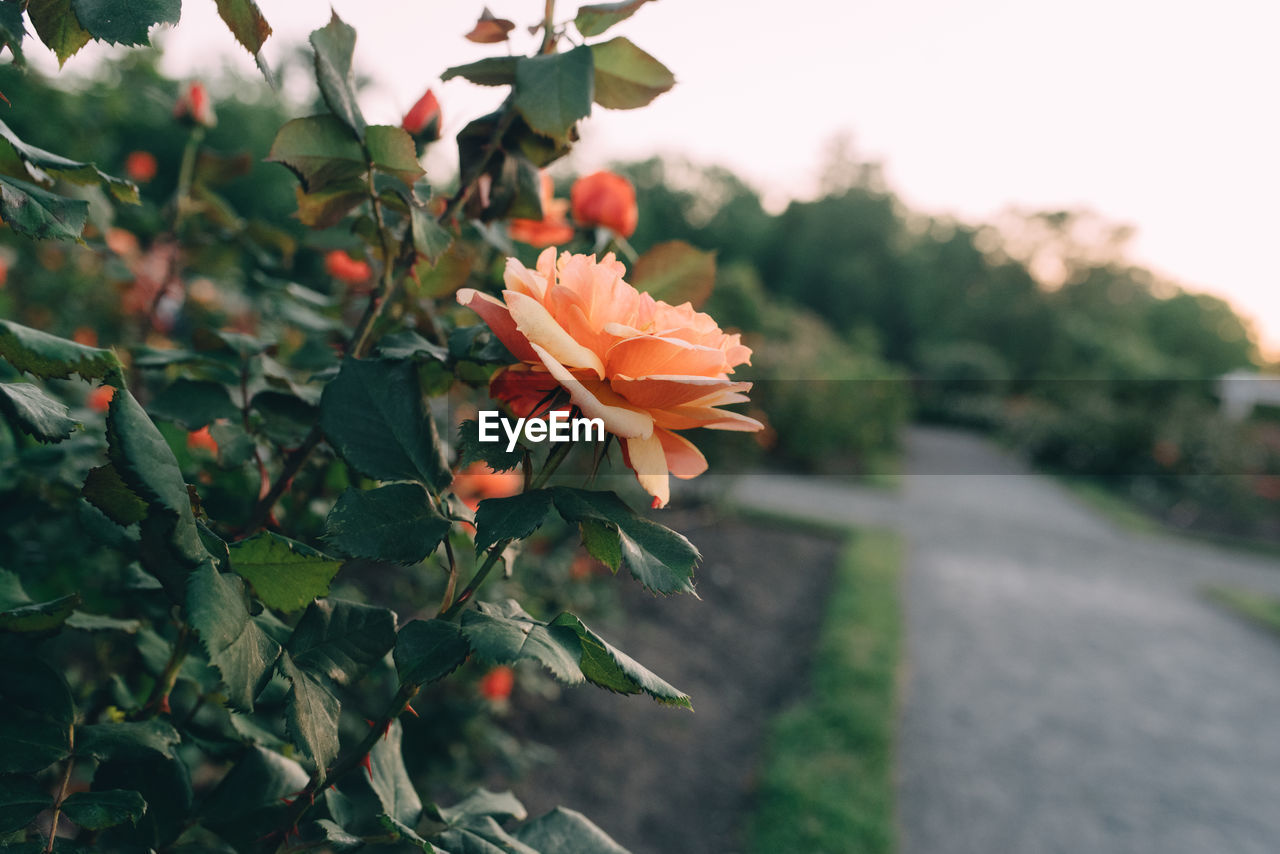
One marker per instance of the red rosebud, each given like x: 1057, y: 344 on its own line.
x: 346, y: 269
x: 202, y: 440
x: 100, y: 398
x: 496, y: 685
x: 605, y: 199
x: 423, y: 119
x: 140, y: 166
x: 193, y: 106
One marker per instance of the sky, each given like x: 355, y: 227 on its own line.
x: 1156, y: 114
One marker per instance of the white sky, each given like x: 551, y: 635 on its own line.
x: 1165, y: 115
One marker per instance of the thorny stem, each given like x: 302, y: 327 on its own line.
x: 62, y: 791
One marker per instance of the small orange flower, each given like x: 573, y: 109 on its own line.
x: 194, y: 107
x: 140, y: 166
x: 86, y: 336
x: 100, y: 398
x: 553, y: 228
x: 647, y: 369
x: 496, y: 685
x: 346, y: 269
x: 477, y: 482
x: 423, y: 118
x: 202, y: 440
x: 606, y: 199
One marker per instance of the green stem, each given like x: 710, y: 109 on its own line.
x: 62, y: 792
x: 186, y: 174
x: 169, y: 676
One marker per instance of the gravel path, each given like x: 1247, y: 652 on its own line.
x: 1066, y: 688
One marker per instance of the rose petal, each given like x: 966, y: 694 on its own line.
x: 540, y: 328
x: 598, y: 401
x: 684, y: 460
x: 518, y: 277
x: 665, y: 391
x: 649, y: 355
x: 688, y: 417
x: 649, y: 461
x: 498, y: 318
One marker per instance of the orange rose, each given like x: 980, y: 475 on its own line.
x: 423, y: 118
x: 194, y: 107
x: 553, y: 228
x: 605, y: 199
x: 346, y: 269
x: 85, y: 335
x: 140, y: 166
x: 202, y: 440
x: 645, y: 368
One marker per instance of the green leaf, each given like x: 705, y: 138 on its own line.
x: 337, y: 838
x: 164, y: 783
x: 609, y: 667
x: 235, y: 446
x: 626, y: 76
x: 427, y: 650
x: 285, y: 574
x: 602, y: 542
x: 126, y: 739
x: 482, y: 835
x: 36, y: 714
x: 35, y: 413
x: 494, y: 454
x: 430, y: 239
x: 390, y: 781
x: 392, y: 151
x: 21, y: 800
x: 327, y: 207
x: 98, y: 810
x: 341, y: 640
x: 566, y: 831
x: 193, y: 404
x: 104, y: 489
x: 555, y: 90
x: 12, y: 31
x: 481, y: 802
x: 246, y: 23
x: 407, y: 344
x: 41, y: 164
x: 125, y: 21
x: 38, y: 617
x: 101, y: 623
x: 334, y: 44
x: 595, y: 19
x: 515, y: 517
x: 286, y: 418
x: 139, y: 453
x: 311, y: 715
x: 320, y: 151
x: 492, y: 71
x: 395, y: 523
x: 505, y: 634
x: 58, y: 27
x: 37, y: 213
x: 675, y: 272
x: 260, y: 779
x: 50, y: 357
x: 374, y: 416
x: 658, y: 557
x: 242, y: 652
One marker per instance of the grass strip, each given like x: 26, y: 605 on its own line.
x: 827, y: 786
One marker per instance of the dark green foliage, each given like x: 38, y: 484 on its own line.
x: 395, y: 523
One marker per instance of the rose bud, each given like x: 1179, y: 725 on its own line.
x: 346, y: 269
x: 202, y: 440
x: 605, y: 199
x: 423, y: 119
x: 496, y: 685
x: 140, y: 166
x: 194, y: 107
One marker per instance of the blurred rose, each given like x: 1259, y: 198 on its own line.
x: 194, y: 107
x: 553, y: 228
x: 100, y: 398
x: 4, y: 271
x: 645, y: 368
x: 123, y: 243
x: 605, y: 199
x: 346, y: 269
x: 140, y: 166
x: 423, y: 119
x: 496, y: 685
x: 477, y: 482
x: 86, y: 336
x: 202, y: 440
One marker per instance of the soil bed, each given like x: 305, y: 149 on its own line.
x: 660, y: 779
